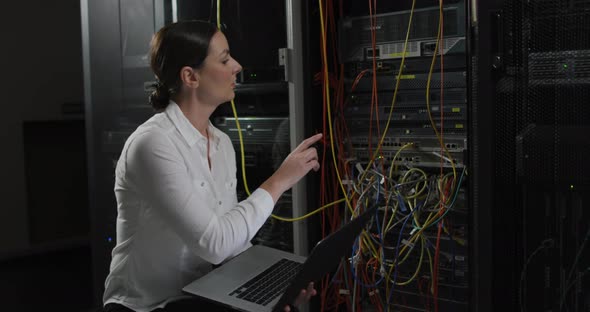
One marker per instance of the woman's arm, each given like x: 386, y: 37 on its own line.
x: 297, y: 164
x: 157, y: 168
x: 159, y: 171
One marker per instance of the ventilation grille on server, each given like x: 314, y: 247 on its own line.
x: 542, y: 152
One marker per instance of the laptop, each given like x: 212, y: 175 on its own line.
x: 264, y: 279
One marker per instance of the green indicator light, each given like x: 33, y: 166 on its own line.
x: 564, y: 65
x: 571, y: 187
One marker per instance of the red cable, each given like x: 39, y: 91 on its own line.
x: 322, y: 194
x: 436, y: 254
x: 444, y: 195
x: 442, y: 70
x: 374, y: 89
x: 435, y: 274
x: 374, y: 93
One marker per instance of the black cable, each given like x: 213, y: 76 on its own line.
x: 548, y: 243
x: 567, y: 289
x: 211, y: 10
x: 577, y: 258
x: 574, y: 264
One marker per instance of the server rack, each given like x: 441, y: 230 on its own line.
x: 353, y: 57
x: 540, y: 90
x: 476, y: 141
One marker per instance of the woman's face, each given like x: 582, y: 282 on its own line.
x: 217, y: 76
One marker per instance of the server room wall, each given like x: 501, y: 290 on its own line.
x: 44, y: 245
x: 41, y: 81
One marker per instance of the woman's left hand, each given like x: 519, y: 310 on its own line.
x: 304, y: 296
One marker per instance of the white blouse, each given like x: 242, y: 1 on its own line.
x: 175, y: 215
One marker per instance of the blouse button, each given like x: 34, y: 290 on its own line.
x: 202, y: 183
x: 220, y: 202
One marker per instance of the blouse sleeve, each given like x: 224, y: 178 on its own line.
x: 161, y: 175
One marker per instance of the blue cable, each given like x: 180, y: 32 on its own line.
x: 355, y: 246
x: 353, y: 271
x: 452, y: 203
x: 380, y: 236
x: 458, y: 188
x: 399, y: 239
x: 401, y: 202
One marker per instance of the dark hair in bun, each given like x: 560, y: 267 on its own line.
x: 180, y: 44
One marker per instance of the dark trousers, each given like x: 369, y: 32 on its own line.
x: 192, y: 304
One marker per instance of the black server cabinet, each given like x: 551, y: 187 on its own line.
x: 533, y: 88
x: 117, y: 78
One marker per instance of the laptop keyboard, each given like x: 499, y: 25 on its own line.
x: 268, y: 285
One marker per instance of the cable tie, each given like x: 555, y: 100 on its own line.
x: 382, y: 271
x: 407, y: 243
x: 355, y: 259
x: 402, y: 204
x: 360, y: 168
x: 447, y: 255
x: 443, y: 157
x: 344, y: 292
x: 374, y: 292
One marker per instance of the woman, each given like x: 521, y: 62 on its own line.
x: 176, y: 178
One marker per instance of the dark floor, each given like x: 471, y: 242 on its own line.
x: 49, y: 281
